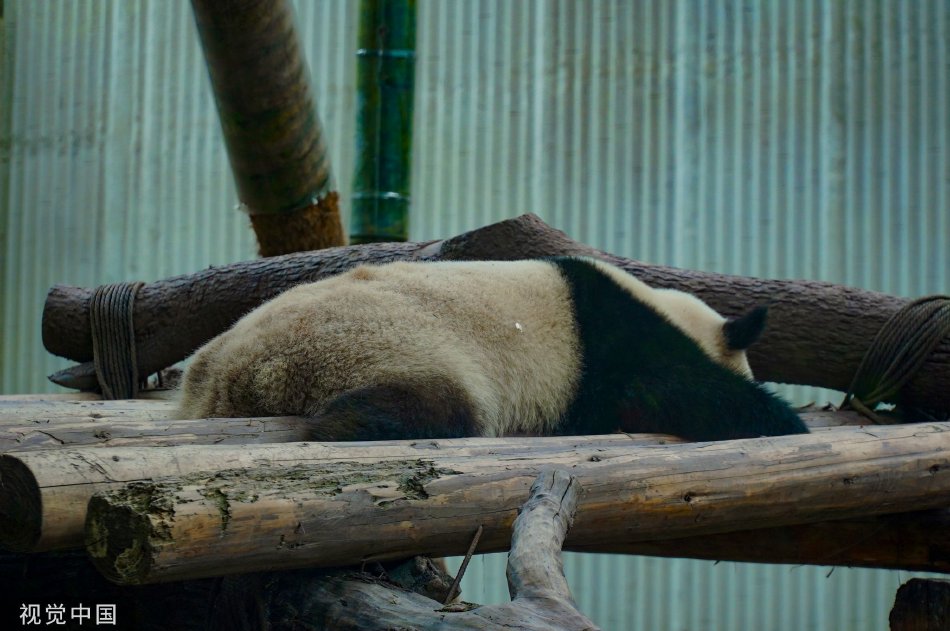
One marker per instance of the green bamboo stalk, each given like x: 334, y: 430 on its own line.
x: 385, y: 79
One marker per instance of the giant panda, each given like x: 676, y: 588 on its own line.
x: 451, y: 349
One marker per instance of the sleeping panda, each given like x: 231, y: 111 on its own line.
x: 451, y: 349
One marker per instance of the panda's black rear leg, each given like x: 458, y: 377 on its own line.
x: 395, y: 412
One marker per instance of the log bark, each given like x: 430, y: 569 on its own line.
x: 30, y: 422
x: 817, y: 335
x: 292, y: 515
x: 921, y: 605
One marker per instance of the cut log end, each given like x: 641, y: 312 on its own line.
x: 20, y: 506
x: 120, y: 532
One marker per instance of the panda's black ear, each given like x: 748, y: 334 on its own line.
x: 740, y: 333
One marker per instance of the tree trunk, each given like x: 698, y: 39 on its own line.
x: 290, y: 515
x: 817, y: 334
x: 265, y: 104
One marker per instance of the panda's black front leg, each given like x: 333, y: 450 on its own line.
x: 436, y: 409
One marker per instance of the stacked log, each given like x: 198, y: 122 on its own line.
x: 47, y: 489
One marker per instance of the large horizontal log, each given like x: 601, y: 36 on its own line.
x: 817, y: 335
x: 152, y: 433
x: 53, y: 489
x: 29, y: 422
x: 916, y: 541
x: 909, y: 541
x: 45, y: 492
x: 327, y: 514
x: 151, y: 404
x: 49, y: 422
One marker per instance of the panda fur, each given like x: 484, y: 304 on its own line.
x: 451, y: 349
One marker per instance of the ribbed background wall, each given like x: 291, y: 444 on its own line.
x: 795, y: 138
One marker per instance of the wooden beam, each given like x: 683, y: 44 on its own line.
x: 291, y: 515
x: 916, y: 541
x: 45, y: 492
x: 41, y: 422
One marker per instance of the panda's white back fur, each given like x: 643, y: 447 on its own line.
x: 504, y: 331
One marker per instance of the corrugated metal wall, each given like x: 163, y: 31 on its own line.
x: 789, y: 138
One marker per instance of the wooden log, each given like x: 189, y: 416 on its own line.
x: 269, y: 121
x: 818, y: 332
x: 29, y: 422
x: 45, y: 492
x: 153, y: 433
x: 921, y: 605
x: 910, y: 541
x: 51, y: 479
x: 13, y: 406
x: 279, y: 517
x: 915, y: 541
x: 43, y: 423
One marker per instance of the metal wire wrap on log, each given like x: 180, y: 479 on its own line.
x: 898, y: 351
x: 113, y: 339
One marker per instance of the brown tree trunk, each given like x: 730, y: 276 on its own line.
x: 817, y: 334
x: 270, y: 124
x: 290, y: 516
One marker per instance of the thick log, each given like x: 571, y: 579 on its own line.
x: 52, y: 408
x: 910, y: 541
x: 52, y: 484
x: 153, y: 433
x: 45, y: 492
x: 275, y: 142
x: 921, y: 605
x: 279, y: 517
x: 49, y: 422
x: 817, y: 335
x: 917, y: 541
